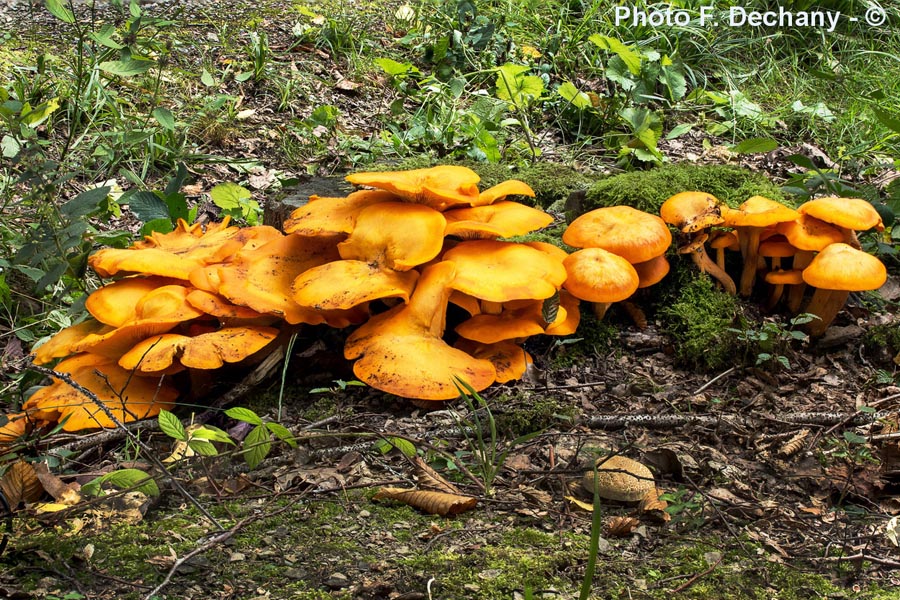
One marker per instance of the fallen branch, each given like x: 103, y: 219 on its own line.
x: 623, y: 421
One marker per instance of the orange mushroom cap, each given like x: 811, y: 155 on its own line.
x: 502, y: 219
x: 652, y: 271
x: 114, y: 304
x: 128, y: 398
x: 510, y: 187
x: 597, y: 275
x: 690, y: 212
x: 439, y: 187
x: 333, y: 216
x: 401, y: 351
x: 63, y: 342
x: 510, y: 360
x: 343, y: 284
x: 633, y: 234
x: 395, y: 235
x: 502, y: 271
x: 809, y: 233
x: 851, y: 213
x: 842, y: 267
x: 512, y: 323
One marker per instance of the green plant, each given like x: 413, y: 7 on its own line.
x: 685, y: 506
x: 258, y: 443
x: 237, y: 202
x: 773, y: 340
x: 488, y: 453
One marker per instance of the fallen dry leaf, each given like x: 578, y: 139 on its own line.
x: 655, y: 508
x: 429, y: 479
x: 21, y: 484
x: 435, y: 503
x: 67, y: 494
x: 621, y: 526
x: 579, y: 503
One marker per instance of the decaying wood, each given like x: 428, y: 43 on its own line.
x: 623, y: 421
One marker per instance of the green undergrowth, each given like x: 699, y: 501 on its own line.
x: 647, y: 190
x: 384, y: 548
x: 698, y: 318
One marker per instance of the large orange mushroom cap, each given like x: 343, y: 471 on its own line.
x: 114, y: 304
x: 502, y: 219
x: 850, y: 213
x: 395, y: 235
x: 343, y: 284
x: 633, y: 234
x: 333, y: 216
x: 129, y: 398
x: 401, y: 351
x: 261, y: 279
x: 596, y: 275
x: 63, y: 342
x: 439, y: 187
x: 512, y: 323
x: 502, y: 271
x: 510, y: 187
x: 510, y: 360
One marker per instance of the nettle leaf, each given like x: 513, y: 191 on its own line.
x: 85, y: 203
x: 257, y: 446
x: 229, y: 195
x: 128, y: 67
x: 576, y: 98
x: 104, y: 37
x: 629, y: 56
x: 244, y: 414
x: 146, y: 206
x: 171, y: 426
x: 282, y: 433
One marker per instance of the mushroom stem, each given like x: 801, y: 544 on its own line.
x: 774, y: 296
x: 795, y: 294
x: 706, y: 265
x: 491, y: 308
x: 600, y: 309
x: 825, y: 304
x: 637, y: 315
x: 750, y: 251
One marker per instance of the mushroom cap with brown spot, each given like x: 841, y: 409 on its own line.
x: 343, y: 284
x: 690, y: 212
x: 401, y: 351
x: 440, y: 187
x: 843, y: 267
x: 621, y: 479
x: 333, y: 216
x: 503, y: 271
x: 851, y: 213
x: 633, y: 234
x: 597, y: 275
x: 395, y: 235
x: 500, y: 220
x: 809, y: 233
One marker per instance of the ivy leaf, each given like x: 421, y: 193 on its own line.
x: 146, y: 206
x: 229, y: 195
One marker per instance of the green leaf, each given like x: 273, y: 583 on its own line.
x: 755, y: 146
x: 203, y: 447
x: 673, y: 79
x: 212, y: 434
x: 146, y: 206
x: 33, y: 117
x: 394, y: 68
x: 855, y: 438
x: 59, y: 10
x: 244, y: 414
x: 282, y: 433
x: 104, y: 37
x: 206, y: 79
x: 887, y: 120
x: 406, y: 447
x: 160, y: 225
x: 164, y: 117
x: 576, y: 98
x: 9, y: 146
x: 126, y: 68
x: 257, y: 446
x: 171, y: 426
x: 122, y: 479
x: 229, y: 195
x: 517, y: 88
x: 679, y: 130
x: 630, y: 57
x: 85, y: 203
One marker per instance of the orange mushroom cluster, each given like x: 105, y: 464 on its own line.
x: 814, y: 246
x: 390, y: 259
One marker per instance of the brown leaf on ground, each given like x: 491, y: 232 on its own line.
x: 435, y: 503
x: 21, y: 484
x: 63, y: 493
x: 621, y: 526
x: 655, y: 508
x: 429, y: 479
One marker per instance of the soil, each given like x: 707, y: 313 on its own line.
x: 777, y: 483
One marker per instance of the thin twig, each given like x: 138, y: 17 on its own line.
x: 694, y: 579
x: 860, y: 558
x: 715, y: 379
x: 151, y: 455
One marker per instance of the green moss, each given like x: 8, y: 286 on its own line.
x: 647, y: 190
x: 885, y: 337
x: 698, y: 319
x: 526, y: 413
x: 592, y: 337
